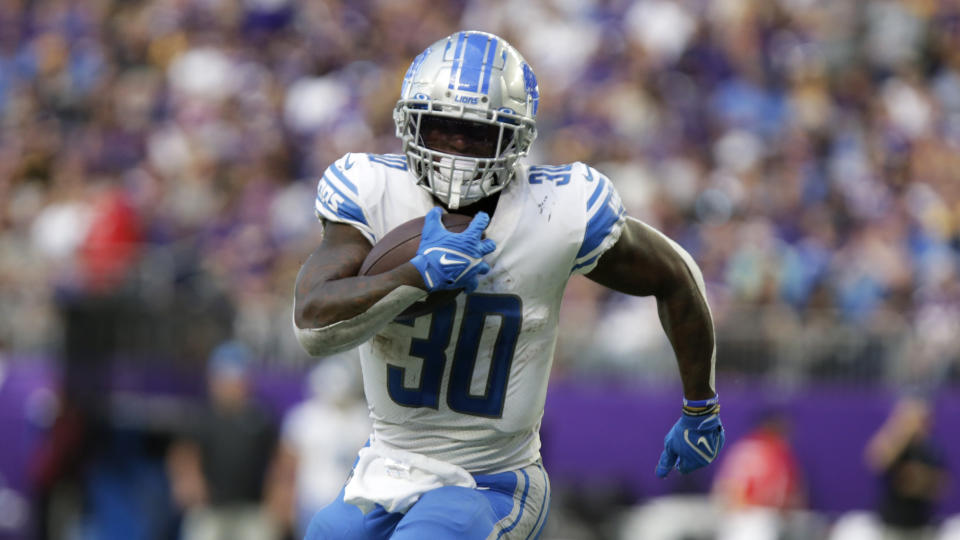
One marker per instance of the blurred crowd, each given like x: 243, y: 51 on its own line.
x: 804, y: 151
x: 159, y: 158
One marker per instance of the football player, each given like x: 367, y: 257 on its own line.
x: 456, y: 396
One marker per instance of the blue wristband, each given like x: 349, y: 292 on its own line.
x: 697, y: 403
x: 701, y: 407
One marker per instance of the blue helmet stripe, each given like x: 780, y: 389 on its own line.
x: 488, y: 65
x: 413, y: 70
x: 457, y: 55
x: 446, y: 49
x: 530, y: 85
x: 472, y: 67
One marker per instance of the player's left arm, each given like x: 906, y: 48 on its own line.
x: 644, y: 262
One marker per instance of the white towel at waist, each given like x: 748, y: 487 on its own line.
x: 395, y: 479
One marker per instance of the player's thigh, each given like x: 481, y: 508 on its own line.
x: 448, y: 513
x: 526, y: 518
x: 341, y: 521
x: 506, y: 506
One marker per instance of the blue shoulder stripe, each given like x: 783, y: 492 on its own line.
x: 601, y: 224
x: 343, y: 178
x: 596, y: 193
x: 336, y: 204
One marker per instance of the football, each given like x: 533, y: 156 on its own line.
x: 399, y: 246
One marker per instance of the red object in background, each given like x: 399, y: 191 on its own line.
x: 112, y: 243
x: 760, y: 470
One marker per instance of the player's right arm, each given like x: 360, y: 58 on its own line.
x: 328, y: 289
x: 336, y: 310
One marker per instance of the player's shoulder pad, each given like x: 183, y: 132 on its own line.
x: 347, y: 188
x: 605, y: 216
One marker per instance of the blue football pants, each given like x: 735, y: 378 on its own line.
x: 506, y: 506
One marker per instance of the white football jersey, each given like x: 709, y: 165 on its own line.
x: 467, y: 383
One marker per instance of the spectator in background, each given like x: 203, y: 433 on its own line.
x: 93, y: 305
x: 218, y: 471
x: 319, y: 442
x: 803, y: 151
x: 761, y: 469
x: 760, y: 482
x: 912, y: 471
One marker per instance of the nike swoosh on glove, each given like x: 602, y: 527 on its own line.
x: 448, y: 260
x: 693, y: 442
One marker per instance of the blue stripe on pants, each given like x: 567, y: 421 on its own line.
x: 501, y: 507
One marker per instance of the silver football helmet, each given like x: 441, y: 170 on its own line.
x: 478, y: 82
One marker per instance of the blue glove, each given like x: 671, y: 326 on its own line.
x: 693, y: 442
x: 449, y: 260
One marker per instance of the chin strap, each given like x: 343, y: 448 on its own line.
x: 454, y: 200
x: 345, y: 335
x: 455, y: 178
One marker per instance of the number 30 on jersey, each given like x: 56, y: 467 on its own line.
x: 432, y: 351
